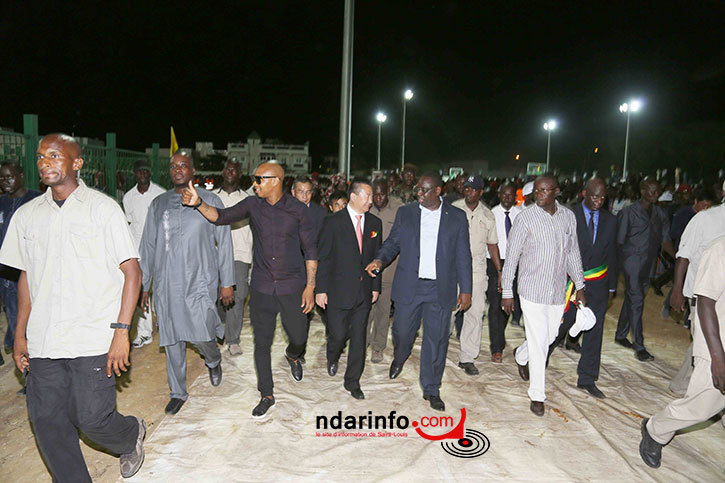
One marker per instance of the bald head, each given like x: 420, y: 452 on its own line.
x: 594, y: 183
x: 270, y: 169
x: 71, y: 146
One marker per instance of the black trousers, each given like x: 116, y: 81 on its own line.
x: 597, y: 293
x: 263, y: 310
x: 497, y: 318
x: 65, y: 396
x: 349, y: 324
x: 636, y: 282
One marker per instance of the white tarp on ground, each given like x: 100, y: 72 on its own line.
x: 214, y: 437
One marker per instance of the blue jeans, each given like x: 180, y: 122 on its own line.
x: 9, y: 294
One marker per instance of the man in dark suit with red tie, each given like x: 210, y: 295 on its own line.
x: 596, y: 231
x: 348, y: 242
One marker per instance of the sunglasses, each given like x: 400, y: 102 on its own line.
x: 258, y: 179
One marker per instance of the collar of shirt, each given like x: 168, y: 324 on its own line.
x: 80, y: 193
x: 589, y: 213
x: 424, y: 209
x: 537, y: 208
x: 353, y: 216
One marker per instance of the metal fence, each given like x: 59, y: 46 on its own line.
x: 105, y: 167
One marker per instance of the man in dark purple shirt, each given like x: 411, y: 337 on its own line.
x: 282, y: 274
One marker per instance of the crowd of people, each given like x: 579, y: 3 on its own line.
x: 78, y: 272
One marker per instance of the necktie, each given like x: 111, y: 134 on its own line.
x: 358, y: 231
x: 591, y: 226
x: 507, y: 224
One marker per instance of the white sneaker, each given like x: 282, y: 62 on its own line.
x: 141, y: 341
x: 235, y: 350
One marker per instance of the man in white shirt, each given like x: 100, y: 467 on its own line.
x: 483, y: 237
x: 77, y: 291
x: 136, y: 204
x: 505, y: 214
x: 231, y: 193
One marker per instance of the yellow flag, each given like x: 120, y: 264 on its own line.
x: 174, y: 144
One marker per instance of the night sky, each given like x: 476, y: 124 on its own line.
x: 486, y: 77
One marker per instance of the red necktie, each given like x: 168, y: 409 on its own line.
x: 358, y: 231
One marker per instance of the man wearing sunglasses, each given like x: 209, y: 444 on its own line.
x: 283, y: 276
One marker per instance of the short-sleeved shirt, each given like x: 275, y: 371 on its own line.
x: 8, y: 207
x: 242, y: 239
x: 136, y: 205
x: 72, y: 256
x: 702, y: 229
x: 710, y: 283
x: 482, y: 232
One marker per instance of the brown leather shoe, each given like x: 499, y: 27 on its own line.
x: 537, y: 407
x: 523, y: 370
x: 497, y: 357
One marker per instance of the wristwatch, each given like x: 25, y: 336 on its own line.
x: 118, y: 325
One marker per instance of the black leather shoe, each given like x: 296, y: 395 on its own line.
x: 174, y: 405
x: 295, y: 368
x: 261, y: 409
x: 302, y: 360
x: 395, y: 370
x: 331, y: 368
x: 592, y: 389
x: 537, y: 407
x: 644, y: 356
x: 573, y: 346
x: 523, y: 370
x: 649, y: 449
x: 435, y: 402
x: 215, y: 375
x: 357, y: 393
x: 470, y: 369
x: 624, y: 343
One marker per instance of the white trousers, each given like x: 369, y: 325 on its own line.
x: 473, y: 323
x: 542, y: 326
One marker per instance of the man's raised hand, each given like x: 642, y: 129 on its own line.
x: 189, y: 196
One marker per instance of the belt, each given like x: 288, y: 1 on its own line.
x: 427, y: 279
x: 597, y: 273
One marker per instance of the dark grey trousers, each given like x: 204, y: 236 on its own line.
x: 70, y: 395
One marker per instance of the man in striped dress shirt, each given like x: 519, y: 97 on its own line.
x: 543, y: 245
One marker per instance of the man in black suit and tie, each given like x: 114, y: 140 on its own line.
x: 349, y: 240
x: 431, y: 237
x: 596, y: 231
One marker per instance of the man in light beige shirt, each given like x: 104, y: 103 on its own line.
x: 231, y: 193
x: 705, y: 395
x: 385, y: 208
x: 483, y: 234
x: 77, y: 291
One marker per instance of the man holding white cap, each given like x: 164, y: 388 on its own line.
x: 596, y: 231
x: 543, y: 246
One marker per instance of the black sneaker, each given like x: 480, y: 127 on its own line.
x: 295, y: 368
x: 261, y: 409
